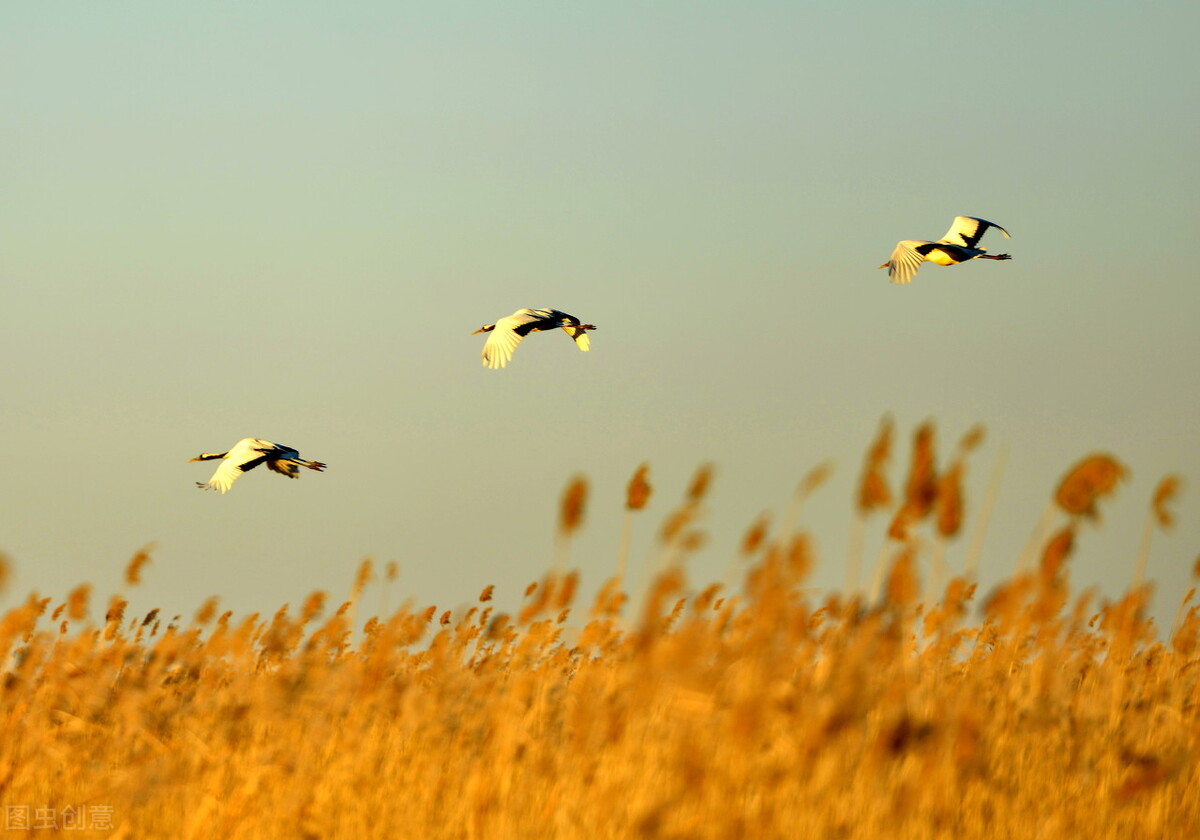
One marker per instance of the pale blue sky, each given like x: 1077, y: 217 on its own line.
x: 284, y: 220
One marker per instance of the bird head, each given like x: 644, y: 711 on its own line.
x: 484, y: 328
x: 207, y: 456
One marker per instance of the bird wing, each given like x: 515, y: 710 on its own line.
x: 228, y: 472
x: 283, y: 460
x: 503, y: 340
x: 968, y: 230
x: 571, y: 326
x: 284, y: 467
x: 245, y: 455
x: 580, y: 336
x: 905, y: 261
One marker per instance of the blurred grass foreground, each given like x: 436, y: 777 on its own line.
x: 888, y: 710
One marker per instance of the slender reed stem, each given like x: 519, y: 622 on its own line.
x: 854, y: 558
x: 975, y: 548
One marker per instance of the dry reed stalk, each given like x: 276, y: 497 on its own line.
x: 879, y: 568
x: 920, y: 496
x: 570, y: 519
x: 366, y: 574
x: 1037, y: 537
x: 1086, y: 483
x: 1179, y: 612
x: 858, y: 528
x: 568, y: 586
x: 676, y: 535
x: 1185, y: 630
x: 543, y: 594
x: 873, y: 494
x: 920, y: 491
x: 949, y: 505
x: 637, y: 494
x: 133, y: 571
x: 975, y: 546
x: 1159, y: 515
x: 903, y: 588
x: 811, y: 482
x: 391, y: 573
x: 948, y: 516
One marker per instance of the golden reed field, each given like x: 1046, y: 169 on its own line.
x: 916, y: 707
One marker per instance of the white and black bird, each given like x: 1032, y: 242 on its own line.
x: 247, y: 454
x: 507, y: 333
x: 958, y: 245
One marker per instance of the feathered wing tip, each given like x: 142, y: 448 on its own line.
x: 495, y: 358
x: 499, y: 347
x: 226, y: 474
x: 968, y: 230
x: 905, y: 261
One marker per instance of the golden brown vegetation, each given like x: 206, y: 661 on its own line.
x: 759, y: 713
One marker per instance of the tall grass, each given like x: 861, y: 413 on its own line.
x: 759, y: 713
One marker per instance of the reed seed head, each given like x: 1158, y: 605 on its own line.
x: 814, y: 478
x: 574, y: 505
x: 116, y: 609
x: 77, y: 601
x: 133, y: 572
x: 756, y: 534
x: 639, y: 490
x: 921, y: 489
x: 873, y: 490
x: 1166, y: 492
x: 207, y: 610
x: 903, y: 588
x: 1055, y: 555
x: 1090, y: 480
x: 366, y: 573
x: 949, y: 501
x: 5, y: 571
x: 700, y: 485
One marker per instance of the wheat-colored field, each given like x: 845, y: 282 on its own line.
x: 898, y: 710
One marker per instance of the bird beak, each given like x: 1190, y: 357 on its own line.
x: 197, y: 458
x: 478, y: 331
x: 885, y: 265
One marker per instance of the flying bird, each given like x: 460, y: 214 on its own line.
x: 247, y: 454
x: 507, y: 333
x: 958, y: 245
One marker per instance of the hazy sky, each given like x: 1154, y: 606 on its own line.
x: 284, y: 220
